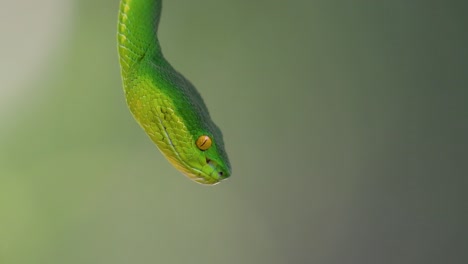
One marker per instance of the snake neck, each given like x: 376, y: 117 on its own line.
x: 137, y: 32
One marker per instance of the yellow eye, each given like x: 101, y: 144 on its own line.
x: 204, y: 142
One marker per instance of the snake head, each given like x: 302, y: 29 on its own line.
x: 189, y: 140
x: 215, y: 166
x: 204, y: 160
x: 171, y: 111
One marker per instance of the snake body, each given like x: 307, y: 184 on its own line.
x: 165, y: 104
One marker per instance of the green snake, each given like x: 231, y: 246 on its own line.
x: 165, y: 104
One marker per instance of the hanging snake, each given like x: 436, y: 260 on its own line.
x: 163, y: 102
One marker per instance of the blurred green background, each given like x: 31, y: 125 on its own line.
x: 345, y: 122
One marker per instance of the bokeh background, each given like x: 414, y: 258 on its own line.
x: 345, y: 122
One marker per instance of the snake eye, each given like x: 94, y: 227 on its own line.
x: 204, y: 142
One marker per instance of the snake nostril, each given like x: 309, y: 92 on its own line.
x: 220, y: 173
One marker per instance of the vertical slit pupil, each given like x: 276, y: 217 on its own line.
x: 203, y: 142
